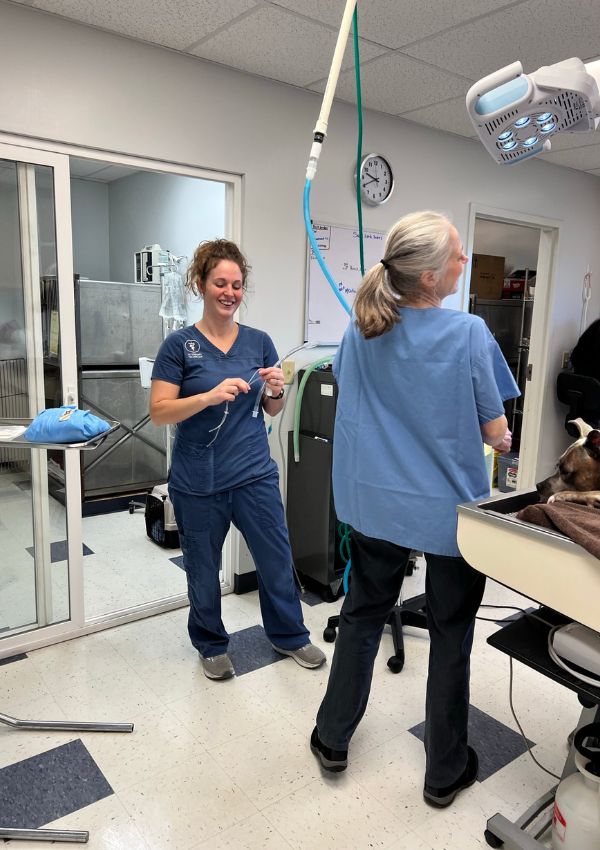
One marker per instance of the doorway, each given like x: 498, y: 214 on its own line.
x: 76, y: 569
x: 509, y: 284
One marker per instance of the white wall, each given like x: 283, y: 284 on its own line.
x: 82, y: 86
x: 89, y: 204
x: 174, y: 212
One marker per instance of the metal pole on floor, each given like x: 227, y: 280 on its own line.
x: 70, y: 835
x: 65, y: 725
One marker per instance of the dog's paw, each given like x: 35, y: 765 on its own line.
x: 565, y: 496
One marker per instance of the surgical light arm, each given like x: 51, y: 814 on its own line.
x: 516, y: 114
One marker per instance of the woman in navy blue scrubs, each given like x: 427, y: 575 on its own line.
x: 206, y: 379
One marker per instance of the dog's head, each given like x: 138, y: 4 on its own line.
x: 578, y: 468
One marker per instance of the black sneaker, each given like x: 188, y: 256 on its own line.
x: 332, y: 760
x: 442, y: 797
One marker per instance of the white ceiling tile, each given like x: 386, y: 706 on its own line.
x: 568, y: 141
x: 584, y: 159
x: 395, y: 83
x: 84, y: 167
x: 91, y: 169
x: 396, y: 22
x: 538, y: 32
x: 172, y: 23
x: 451, y: 115
x: 276, y: 44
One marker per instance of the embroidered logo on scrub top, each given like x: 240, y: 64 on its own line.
x: 192, y: 348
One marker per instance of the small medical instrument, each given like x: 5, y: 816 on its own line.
x: 516, y: 114
x: 148, y: 263
x: 279, y: 362
x: 586, y: 294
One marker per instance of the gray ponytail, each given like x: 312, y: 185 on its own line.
x: 418, y: 242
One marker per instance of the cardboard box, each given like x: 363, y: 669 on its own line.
x: 487, y: 276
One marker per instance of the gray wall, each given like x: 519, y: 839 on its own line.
x: 165, y: 209
x: 91, y: 245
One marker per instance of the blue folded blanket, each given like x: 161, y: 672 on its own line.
x: 65, y: 425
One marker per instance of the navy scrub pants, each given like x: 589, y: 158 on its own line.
x: 203, y: 522
x: 454, y: 592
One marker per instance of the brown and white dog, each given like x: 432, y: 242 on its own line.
x: 577, y: 478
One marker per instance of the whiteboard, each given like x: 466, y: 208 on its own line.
x: 326, y: 319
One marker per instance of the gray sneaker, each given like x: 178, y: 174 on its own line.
x: 217, y: 666
x: 308, y: 655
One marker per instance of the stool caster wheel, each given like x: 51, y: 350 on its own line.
x: 131, y: 509
x: 492, y: 839
x: 329, y: 635
x: 395, y: 664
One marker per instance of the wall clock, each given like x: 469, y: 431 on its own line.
x: 376, y: 179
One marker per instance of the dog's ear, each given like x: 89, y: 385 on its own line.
x: 592, y: 443
x: 583, y: 428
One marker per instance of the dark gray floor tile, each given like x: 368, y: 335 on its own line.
x: 496, y: 744
x: 58, y: 551
x: 250, y: 649
x: 49, y: 786
x: 311, y: 598
x: 11, y: 658
x: 178, y: 561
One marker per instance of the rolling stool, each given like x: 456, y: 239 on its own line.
x: 409, y: 613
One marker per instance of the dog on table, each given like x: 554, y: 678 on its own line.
x: 577, y: 478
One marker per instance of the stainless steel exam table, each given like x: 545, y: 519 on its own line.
x: 52, y: 835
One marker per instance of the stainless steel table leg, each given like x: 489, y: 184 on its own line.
x: 70, y: 835
x: 65, y: 725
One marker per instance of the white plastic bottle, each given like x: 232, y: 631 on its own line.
x: 576, y: 819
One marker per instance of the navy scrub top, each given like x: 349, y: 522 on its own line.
x: 240, y: 453
x: 407, y: 446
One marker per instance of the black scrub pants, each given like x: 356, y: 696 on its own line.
x: 454, y: 592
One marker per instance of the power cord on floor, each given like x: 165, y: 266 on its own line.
x: 505, y: 607
x: 510, y: 689
x: 510, y: 699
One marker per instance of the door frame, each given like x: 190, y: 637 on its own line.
x: 43, y: 152
x: 538, y: 359
x: 26, y: 159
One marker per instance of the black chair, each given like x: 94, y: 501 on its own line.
x: 582, y: 394
x: 409, y: 613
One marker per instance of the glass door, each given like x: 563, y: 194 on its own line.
x: 40, y: 522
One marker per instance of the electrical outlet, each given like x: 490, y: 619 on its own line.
x: 565, y: 359
x: 289, y: 370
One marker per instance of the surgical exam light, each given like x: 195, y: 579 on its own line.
x: 516, y: 114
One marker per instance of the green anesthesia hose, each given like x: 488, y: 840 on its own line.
x: 299, y: 395
x: 359, y: 143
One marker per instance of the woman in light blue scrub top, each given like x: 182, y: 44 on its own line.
x: 209, y: 379
x: 420, y: 388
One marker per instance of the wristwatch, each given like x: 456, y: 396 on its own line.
x: 280, y: 395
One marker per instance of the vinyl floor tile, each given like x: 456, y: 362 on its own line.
x: 334, y: 811
x: 186, y: 805
x: 256, y: 833
x: 269, y: 763
x: 50, y: 785
x: 220, y: 712
x: 495, y: 743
